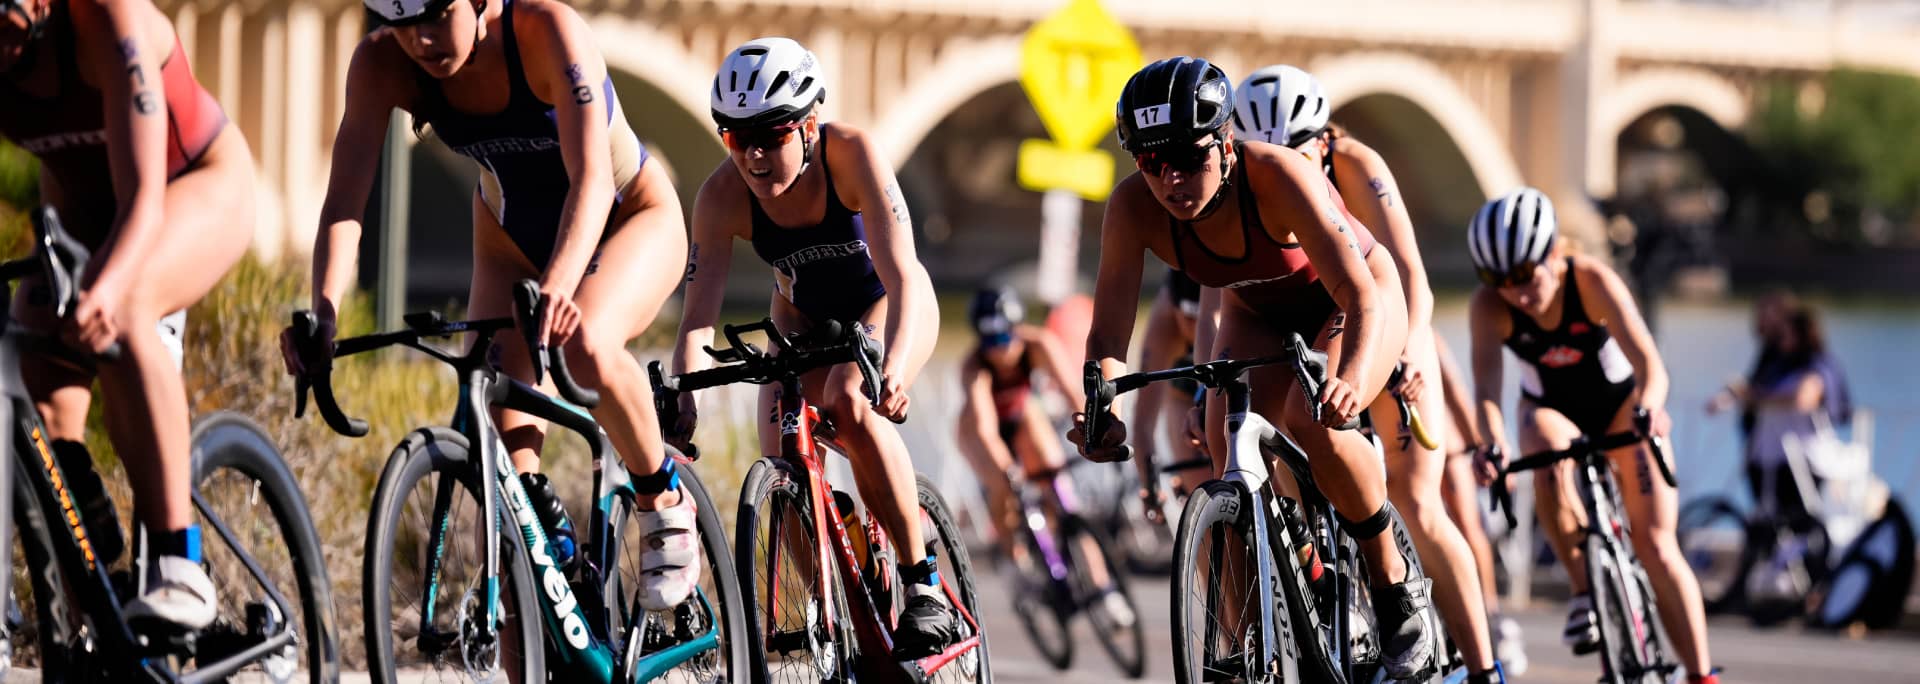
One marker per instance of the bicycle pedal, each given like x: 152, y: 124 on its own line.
x: 159, y: 637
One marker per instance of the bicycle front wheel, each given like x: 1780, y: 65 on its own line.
x: 801, y: 635
x: 1217, y: 633
x: 956, y: 568
x: 1623, y: 606
x: 704, y: 639
x: 262, y: 551
x: 424, y: 591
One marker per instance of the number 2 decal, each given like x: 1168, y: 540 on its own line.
x: 743, y: 98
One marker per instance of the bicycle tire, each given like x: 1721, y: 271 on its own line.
x: 53, y: 610
x: 1126, y: 644
x: 226, y: 440
x: 1147, y: 546
x: 1611, y: 613
x: 945, y: 542
x: 766, y: 480
x: 1046, y: 622
x: 736, y: 653
x: 1214, y: 510
x: 425, y: 452
x: 1722, y: 580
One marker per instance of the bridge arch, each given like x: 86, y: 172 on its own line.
x: 963, y: 72
x: 1644, y: 91
x: 1349, y: 78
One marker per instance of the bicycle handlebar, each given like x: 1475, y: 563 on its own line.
x: 60, y: 261
x: 830, y: 343
x: 1581, y: 447
x: 319, y: 364
x: 1309, y: 368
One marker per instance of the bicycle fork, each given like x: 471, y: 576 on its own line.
x: 1247, y: 470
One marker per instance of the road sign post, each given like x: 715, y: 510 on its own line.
x: 1073, y: 65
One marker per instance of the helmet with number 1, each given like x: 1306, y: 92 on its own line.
x: 404, y: 12
x: 1173, y: 101
x: 1280, y: 104
x: 767, y: 82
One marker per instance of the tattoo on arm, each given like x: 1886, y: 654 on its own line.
x: 582, y: 92
x: 693, y: 261
x: 1340, y: 224
x: 144, y: 101
x: 898, y: 205
x: 1380, y: 190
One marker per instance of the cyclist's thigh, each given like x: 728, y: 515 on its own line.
x: 1243, y: 334
x: 1542, y: 429
x: 624, y: 290
x: 1651, y: 505
x: 61, y: 392
x: 497, y: 265
x: 1035, y: 442
x: 207, y: 228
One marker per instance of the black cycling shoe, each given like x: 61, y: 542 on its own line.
x: 927, y: 627
x: 1406, y: 636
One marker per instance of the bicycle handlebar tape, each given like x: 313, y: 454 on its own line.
x: 526, y: 317
x: 1657, y: 447
x: 1100, y: 393
x: 563, y: 379
x: 318, y: 376
x: 1502, y: 498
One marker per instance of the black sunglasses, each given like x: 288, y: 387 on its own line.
x: 1522, y: 274
x: 1182, y: 158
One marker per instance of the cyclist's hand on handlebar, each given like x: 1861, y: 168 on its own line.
x: 1339, y: 403
x: 1662, y: 423
x: 1103, y: 448
x: 1413, y: 381
x: 94, y: 325
x: 894, y: 401
x: 1484, y: 468
x: 560, y: 316
x: 290, y: 350
x: 680, y: 433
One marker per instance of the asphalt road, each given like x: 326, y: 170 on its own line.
x: 1784, y: 655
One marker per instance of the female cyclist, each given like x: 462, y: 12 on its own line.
x: 1587, y: 363
x: 1283, y: 105
x: 566, y: 197
x: 1258, y: 225
x: 147, y: 172
x: 819, y: 203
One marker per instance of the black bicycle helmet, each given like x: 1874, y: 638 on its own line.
x: 995, y: 311
x: 1175, y: 100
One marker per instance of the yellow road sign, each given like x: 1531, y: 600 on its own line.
x: 1072, y: 65
x: 1043, y: 165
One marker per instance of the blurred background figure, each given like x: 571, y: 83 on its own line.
x: 1794, y: 386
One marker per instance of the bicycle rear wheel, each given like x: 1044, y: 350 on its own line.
x: 945, y: 543
x: 1714, y: 540
x: 1116, y: 626
x: 423, y: 591
x: 253, y: 516
x: 716, y: 606
x: 1216, y: 618
x: 796, y: 633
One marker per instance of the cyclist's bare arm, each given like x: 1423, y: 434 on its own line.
x: 119, y: 47
x: 1616, y: 309
x: 719, y: 216
x: 1116, y: 290
x: 1490, y: 322
x: 376, y: 84
x: 1379, y: 207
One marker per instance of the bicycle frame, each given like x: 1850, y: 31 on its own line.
x: 86, y: 576
x: 798, y: 449
x: 575, y: 624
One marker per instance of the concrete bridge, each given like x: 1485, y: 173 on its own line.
x: 1466, y: 98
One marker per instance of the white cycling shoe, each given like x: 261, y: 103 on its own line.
x: 670, y: 562
x: 178, y: 592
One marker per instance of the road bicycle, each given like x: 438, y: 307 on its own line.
x: 815, y: 567
x: 440, y: 508
x: 1055, y: 578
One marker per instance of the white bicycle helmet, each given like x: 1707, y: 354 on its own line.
x: 1510, y: 231
x: 765, y: 82
x: 404, y: 12
x: 1280, y: 104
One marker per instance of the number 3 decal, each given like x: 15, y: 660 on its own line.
x: 399, y: 10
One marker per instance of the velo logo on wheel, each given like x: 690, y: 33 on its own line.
x: 551, y: 579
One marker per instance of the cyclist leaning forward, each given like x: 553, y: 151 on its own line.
x: 1259, y: 226
x: 566, y: 197
x: 145, y: 171
x: 1587, y: 362
x: 799, y: 191
x: 1283, y: 105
